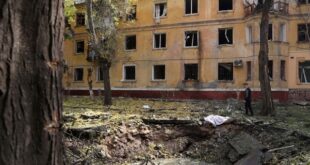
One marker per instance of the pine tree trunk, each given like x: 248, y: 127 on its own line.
x: 106, y: 81
x: 31, y: 39
x: 268, y: 107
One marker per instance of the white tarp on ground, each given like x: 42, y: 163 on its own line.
x: 216, y: 120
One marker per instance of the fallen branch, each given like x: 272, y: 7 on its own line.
x: 280, y: 148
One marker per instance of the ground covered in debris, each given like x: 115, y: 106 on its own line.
x: 144, y: 131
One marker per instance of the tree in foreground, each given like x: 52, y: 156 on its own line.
x: 31, y: 39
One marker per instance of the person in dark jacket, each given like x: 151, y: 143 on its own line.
x: 248, y: 99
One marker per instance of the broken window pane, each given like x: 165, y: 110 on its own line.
x: 78, y: 74
x: 225, y: 5
x: 270, y: 69
x: 79, y: 47
x: 132, y: 14
x: 282, y: 70
x: 225, y: 36
x: 304, y: 72
x: 160, y: 40
x: 191, y: 6
x: 130, y: 72
x: 225, y: 71
x: 159, y: 72
x: 270, y: 35
x: 249, y: 70
x: 191, y: 38
x: 160, y: 10
x: 130, y: 42
x: 303, y: 33
x: 80, y: 19
x: 191, y: 71
x: 100, y: 74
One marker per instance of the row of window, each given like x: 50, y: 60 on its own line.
x: 225, y: 72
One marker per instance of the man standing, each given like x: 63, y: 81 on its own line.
x: 248, y: 99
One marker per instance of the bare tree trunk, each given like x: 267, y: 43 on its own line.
x: 106, y: 81
x: 31, y: 39
x: 90, y: 82
x: 268, y: 107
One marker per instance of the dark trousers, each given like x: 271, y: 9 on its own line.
x: 248, y: 107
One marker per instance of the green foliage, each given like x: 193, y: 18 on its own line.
x: 70, y: 10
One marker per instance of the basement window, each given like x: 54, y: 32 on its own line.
x: 80, y: 19
x: 191, y: 71
x: 159, y: 40
x: 100, y: 74
x: 132, y: 14
x: 160, y: 10
x: 304, y: 72
x: 270, y: 34
x: 130, y: 72
x: 159, y: 72
x: 191, y: 38
x: 225, y: 5
x: 282, y: 70
x: 249, y: 71
x: 191, y: 6
x: 131, y: 42
x: 226, y: 36
x: 303, y: 33
x: 225, y: 71
x: 270, y: 69
x: 78, y: 74
x: 79, y: 46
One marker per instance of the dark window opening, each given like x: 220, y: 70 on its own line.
x: 191, y: 6
x: 282, y: 70
x: 160, y: 10
x: 303, y: 1
x: 191, y: 71
x: 100, y: 74
x: 159, y: 72
x: 130, y: 42
x: 132, y: 14
x: 160, y: 40
x: 270, y: 69
x: 225, y: 71
x: 304, y: 32
x: 79, y: 46
x: 225, y: 36
x: 78, y: 74
x: 225, y: 5
x: 304, y: 72
x: 80, y: 19
x: 130, y: 72
x: 191, y: 38
x: 249, y: 71
x: 270, y: 34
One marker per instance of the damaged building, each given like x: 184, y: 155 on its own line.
x: 198, y: 49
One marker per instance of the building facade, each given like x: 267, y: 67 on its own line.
x: 198, y: 49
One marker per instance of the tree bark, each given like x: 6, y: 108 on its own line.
x: 31, y: 39
x: 268, y: 107
x: 106, y: 81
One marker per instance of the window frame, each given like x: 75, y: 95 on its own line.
x: 124, y: 72
x: 228, y: 10
x: 165, y: 7
x: 232, y: 35
x: 153, y: 72
x: 249, y: 71
x: 76, y: 47
x: 191, y: 8
x: 219, y: 77
x: 130, y: 16
x: 299, y: 74
x: 197, y: 74
x: 283, y: 70
x: 305, y: 33
x: 77, y: 24
x: 198, y: 35
x: 98, y: 74
x: 74, y: 74
x: 160, y: 39
x: 126, y: 37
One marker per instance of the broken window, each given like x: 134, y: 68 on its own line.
x: 78, y: 74
x: 160, y: 40
x: 225, y: 36
x: 249, y: 33
x: 282, y: 35
x: 191, y: 39
x: 159, y: 72
x: 132, y: 14
x: 79, y: 46
x: 225, y: 5
x: 303, y: 1
x: 304, y: 72
x: 131, y: 42
x: 80, y: 19
x: 270, y: 35
x: 225, y: 71
x: 249, y: 71
x: 191, y: 6
x: 282, y: 70
x: 191, y: 71
x: 160, y: 10
x: 270, y: 69
x: 303, y: 32
x: 130, y: 72
x: 100, y: 74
